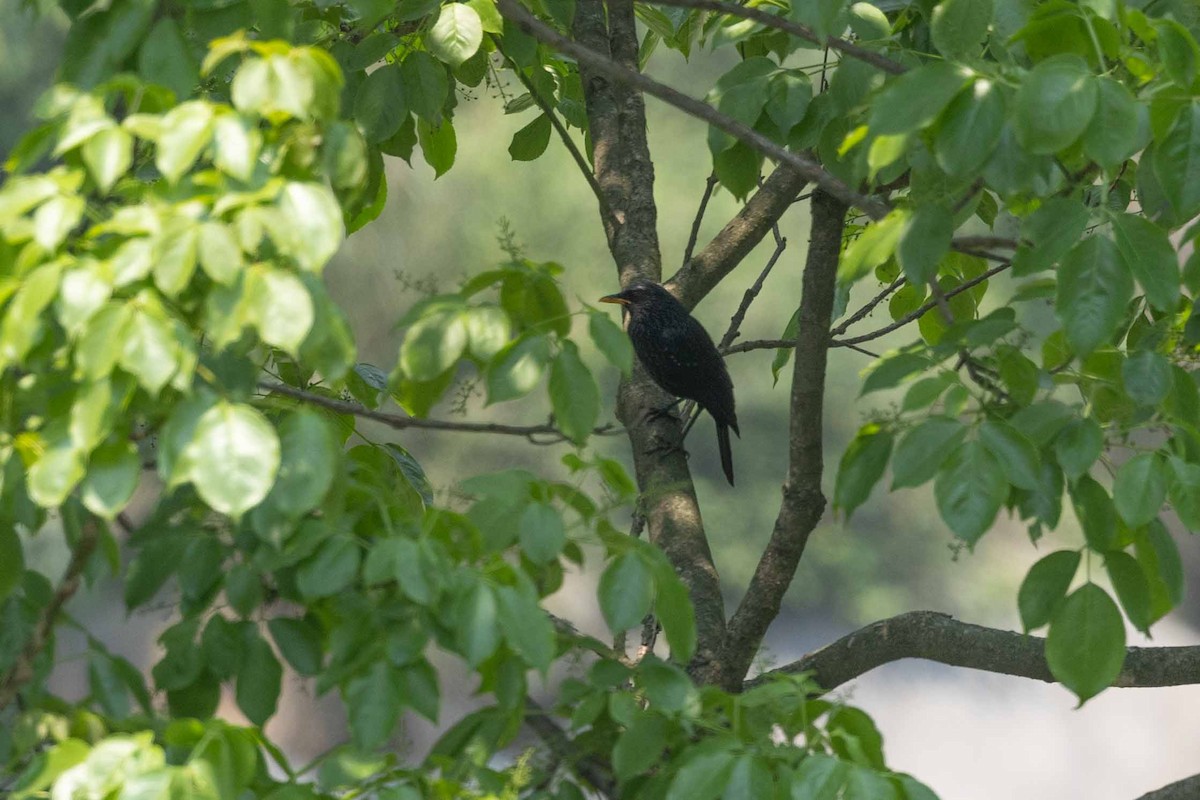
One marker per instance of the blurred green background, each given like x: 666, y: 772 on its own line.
x: 957, y: 731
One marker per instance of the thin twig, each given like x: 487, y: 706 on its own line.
x: 22, y: 671
x: 709, y: 185
x: 795, y: 28
x: 735, y: 322
x: 869, y: 307
x: 563, y: 133
x: 401, y: 422
x: 805, y: 166
x: 775, y: 344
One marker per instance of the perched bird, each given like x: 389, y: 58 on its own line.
x: 680, y: 356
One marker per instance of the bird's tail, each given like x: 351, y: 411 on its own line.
x: 726, y: 451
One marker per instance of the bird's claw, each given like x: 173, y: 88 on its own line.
x: 664, y: 411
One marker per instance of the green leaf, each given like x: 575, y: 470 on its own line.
x: 232, y: 458
x: 914, y: 100
x: 1159, y: 558
x: 1094, y: 286
x: 280, y: 307
x: 873, y: 246
x: 433, y: 345
x: 166, y: 58
x: 150, y: 350
x: 99, y: 43
x: 1078, y: 446
x: 626, y: 591
x: 1085, y: 647
x: 611, y: 341
x: 926, y: 238
x: 244, y: 589
x: 488, y: 330
x: 1045, y: 587
x: 543, y: 534
x: 332, y: 569
x: 258, y: 680
x: 923, y: 449
x: 1185, y: 493
x: 1017, y: 455
x: 969, y: 129
x: 489, y: 17
x: 456, y: 34
x: 1178, y: 50
x: 1147, y: 378
x: 425, y: 85
x: 149, y: 569
x: 573, y: 394
x: 673, y: 607
x: 83, y: 291
x: 703, y: 777
x: 1176, y: 162
x: 112, y: 476
x: 1133, y: 590
x: 186, y: 131
x: 237, y: 144
x: 1150, y: 256
x: 750, y: 778
x: 373, y: 705
x: 299, y: 642
x: 380, y: 105
x: 861, y: 467
x: 438, y: 145
x: 310, y: 452
x: 526, y: 627
x: 1140, y: 489
x: 54, y: 219
x: 1055, y: 104
x: 1095, y: 510
x: 12, y: 561
x: 478, y: 627
x: 530, y: 142
x: 175, y: 256
x: 863, y: 783
x: 1053, y: 229
x: 517, y: 368
x: 969, y: 489
x: 1114, y: 135
x: 219, y: 253
x: 959, y: 27
x: 819, y: 777
x: 56, y: 473
x: 311, y: 228
x: 788, y: 97
x: 640, y: 746
x: 738, y: 168
x: 741, y: 93
x: 108, y: 155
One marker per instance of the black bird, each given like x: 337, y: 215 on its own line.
x: 680, y: 356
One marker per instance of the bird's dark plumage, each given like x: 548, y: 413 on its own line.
x: 680, y: 356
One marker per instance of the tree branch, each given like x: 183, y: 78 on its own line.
x: 625, y: 172
x: 741, y: 235
x: 1186, y: 789
x: 803, y: 503
x: 22, y: 671
x: 795, y: 29
x: 600, y: 64
x: 403, y: 421
x: 563, y: 749
x: 941, y: 638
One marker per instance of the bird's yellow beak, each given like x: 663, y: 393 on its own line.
x: 614, y: 298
